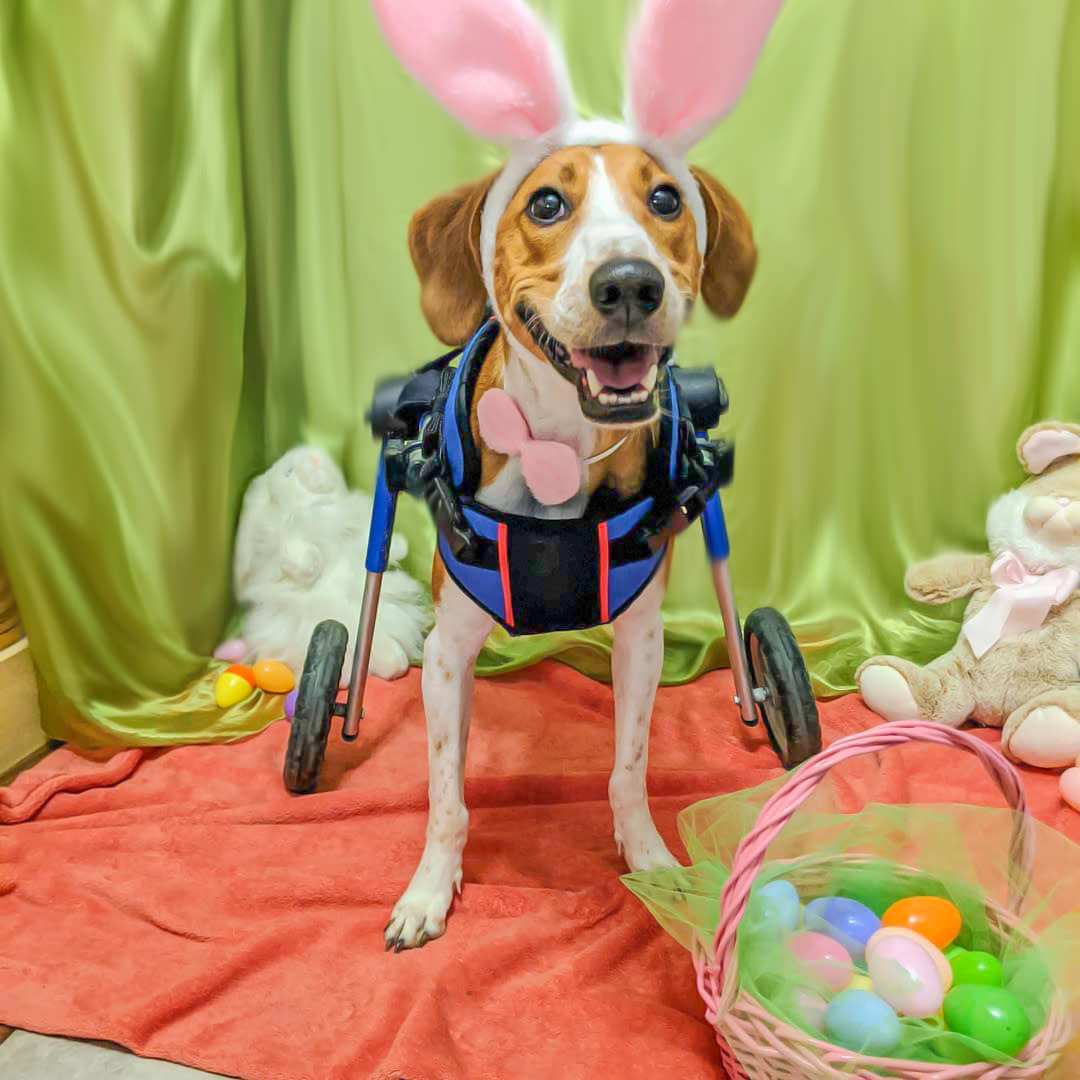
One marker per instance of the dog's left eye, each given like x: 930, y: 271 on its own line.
x: 664, y: 201
x: 547, y: 206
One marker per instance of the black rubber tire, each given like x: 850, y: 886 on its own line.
x: 789, y: 712
x: 314, y: 706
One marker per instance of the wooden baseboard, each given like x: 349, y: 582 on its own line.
x: 21, y: 737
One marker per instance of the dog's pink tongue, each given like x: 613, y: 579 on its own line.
x: 619, y: 376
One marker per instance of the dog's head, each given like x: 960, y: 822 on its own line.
x: 594, y: 241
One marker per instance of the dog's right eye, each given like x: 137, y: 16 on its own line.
x: 547, y: 206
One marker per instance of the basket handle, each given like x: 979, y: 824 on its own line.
x: 776, y: 813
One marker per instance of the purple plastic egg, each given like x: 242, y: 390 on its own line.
x: 847, y: 921
x: 290, y: 704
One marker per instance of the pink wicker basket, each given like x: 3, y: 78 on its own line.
x: 754, y: 1044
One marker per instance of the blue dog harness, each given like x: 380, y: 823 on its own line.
x: 535, y: 575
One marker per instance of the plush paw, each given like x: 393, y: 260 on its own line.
x: 388, y: 659
x: 420, y: 915
x: 886, y: 691
x: 1047, y: 737
x: 1070, y: 786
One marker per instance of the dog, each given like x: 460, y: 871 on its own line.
x: 591, y: 247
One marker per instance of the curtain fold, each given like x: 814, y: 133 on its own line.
x: 202, y: 261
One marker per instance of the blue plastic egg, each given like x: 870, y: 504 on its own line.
x: 861, y: 1021
x: 846, y: 921
x: 773, y: 909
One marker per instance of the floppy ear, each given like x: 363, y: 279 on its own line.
x: 688, y: 61
x: 1043, y: 444
x: 490, y: 63
x: 730, y: 255
x: 444, y: 241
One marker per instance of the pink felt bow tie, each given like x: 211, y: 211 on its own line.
x: 552, y: 470
x: 1020, y: 602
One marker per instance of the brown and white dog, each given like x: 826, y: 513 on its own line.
x: 591, y: 246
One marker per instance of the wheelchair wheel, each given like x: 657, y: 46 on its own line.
x: 789, y: 710
x: 314, y: 706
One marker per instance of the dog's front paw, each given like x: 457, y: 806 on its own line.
x: 388, y: 658
x: 642, y: 847
x: 420, y: 915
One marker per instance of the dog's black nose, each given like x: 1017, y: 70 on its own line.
x: 631, y: 285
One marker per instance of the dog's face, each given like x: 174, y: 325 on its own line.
x: 596, y: 269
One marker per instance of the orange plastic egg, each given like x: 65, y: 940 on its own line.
x: 243, y: 671
x: 937, y: 920
x: 274, y: 677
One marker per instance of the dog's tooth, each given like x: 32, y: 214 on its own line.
x: 607, y: 399
x: 650, y: 378
x: 594, y: 382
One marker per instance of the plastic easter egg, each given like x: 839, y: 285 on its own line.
x: 975, y: 969
x: 904, y: 974
x: 290, y: 704
x: 231, y: 651
x: 1070, y: 787
x: 938, y: 920
x: 861, y: 982
x: 274, y: 677
x: 773, y: 909
x: 243, y: 671
x: 822, y: 958
x: 804, y: 1006
x: 231, y: 689
x: 863, y: 1022
x: 935, y: 954
x: 848, y: 921
x: 990, y: 1015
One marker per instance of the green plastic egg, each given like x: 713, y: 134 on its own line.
x: 990, y: 1015
x: 975, y: 969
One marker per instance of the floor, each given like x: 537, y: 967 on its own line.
x: 26, y: 1056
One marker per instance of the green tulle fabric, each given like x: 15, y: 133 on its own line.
x: 202, y: 262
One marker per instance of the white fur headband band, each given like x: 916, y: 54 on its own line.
x: 493, y: 65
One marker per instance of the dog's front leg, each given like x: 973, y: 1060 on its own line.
x: 461, y: 628
x: 635, y: 668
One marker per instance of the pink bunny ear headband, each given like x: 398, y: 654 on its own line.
x: 494, y: 66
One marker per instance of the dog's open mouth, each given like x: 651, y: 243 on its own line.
x: 616, y: 384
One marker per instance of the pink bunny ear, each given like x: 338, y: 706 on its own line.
x: 688, y: 61
x: 490, y: 63
x: 1043, y: 444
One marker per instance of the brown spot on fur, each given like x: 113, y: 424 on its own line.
x: 438, y: 576
x: 568, y: 173
x: 439, y: 744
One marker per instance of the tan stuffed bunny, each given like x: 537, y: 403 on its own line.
x: 1016, y: 663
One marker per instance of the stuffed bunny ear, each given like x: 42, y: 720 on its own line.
x: 688, y: 61
x: 1043, y: 444
x: 490, y: 63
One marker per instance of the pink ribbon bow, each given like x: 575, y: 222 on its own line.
x: 1020, y: 602
x: 552, y: 470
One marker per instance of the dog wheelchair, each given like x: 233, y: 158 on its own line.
x: 417, y: 417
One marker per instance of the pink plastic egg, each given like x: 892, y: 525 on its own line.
x: 940, y: 962
x: 822, y: 958
x: 904, y: 974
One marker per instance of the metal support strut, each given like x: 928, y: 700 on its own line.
x: 716, y: 542
x: 378, y: 556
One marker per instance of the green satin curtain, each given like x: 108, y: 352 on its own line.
x: 203, y: 208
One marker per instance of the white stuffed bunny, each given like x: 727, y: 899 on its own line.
x: 299, y: 559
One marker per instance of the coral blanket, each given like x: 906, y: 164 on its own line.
x: 181, y: 903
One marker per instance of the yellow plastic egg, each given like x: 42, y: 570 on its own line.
x: 231, y: 688
x: 274, y: 677
x: 860, y: 982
